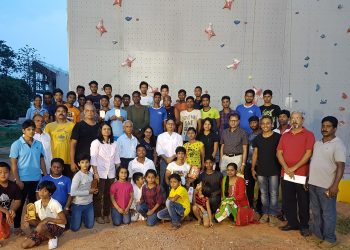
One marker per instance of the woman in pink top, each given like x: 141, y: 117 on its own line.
x: 121, y: 197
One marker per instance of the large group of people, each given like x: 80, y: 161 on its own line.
x: 121, y: 158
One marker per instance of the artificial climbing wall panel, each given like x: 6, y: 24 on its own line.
x: 299, y: 49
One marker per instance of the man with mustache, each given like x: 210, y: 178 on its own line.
x: 294, y: 152
x: 326, y: 170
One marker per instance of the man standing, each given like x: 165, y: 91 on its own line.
x: 270, y: 109
x: 48, y: 105
x: 58, y: 96
x: 189, y: 118
x: 146, y: 100
x: 107, y: 88
x: 247, y: 110
x: 198, y: 97
x: 157, y: 115
x: 294, y: 152
x: 27, y: 163
x: 94, y: 96
x: 167, y: 143
x: 126, y: 101
x: 83, y: 134
x: 73, y: 114
x: 138, y: 114
x: 283, y: 121
x: 225, y: 113
x: 234, y: 145
x: 180, y: 104
x: 210, y: 112
x: 116, y: 116
x: 127, y: 144
x: 60, y: 132
x: 80, y: 90
x: 326, y: 170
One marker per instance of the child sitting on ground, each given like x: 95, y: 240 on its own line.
x: 137, y: 188
x: 178, y: 203
x: 50, y: 219
x: 151, y: 198
x: 82, y: 207
x: 10, y: 196
x: 201, y: 205
x: 121, y: 196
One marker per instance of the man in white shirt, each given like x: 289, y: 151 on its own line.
x: 167, y: 143
x: 326, y: 170
x: 146, y: 100
x: 189, y: 118
x: 141, y: 163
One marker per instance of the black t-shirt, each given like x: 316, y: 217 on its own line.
x: 84, y: 134
x: 198, y: 104
x: 267, y: 164
x: 213, y: 180
x: 171, y: 113
x: 273, y: 111
x: 95, y: 99
x: 208, y: 141
x: 149, y: 148
x: 8, y: 194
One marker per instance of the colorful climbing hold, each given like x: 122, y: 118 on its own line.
x: 344, y: 96
x: 307, y: 58
x: 323, y: 36
x: 323, y: 101
x: 128, y: 18
x: 341, y: 109
x: 222, y: 45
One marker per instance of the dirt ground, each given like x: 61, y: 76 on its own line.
x: 222, y: 236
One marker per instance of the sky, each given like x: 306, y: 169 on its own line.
x: 42, y: 24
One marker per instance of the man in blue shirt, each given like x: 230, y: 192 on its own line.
x: 116, y: 116
x: 247, y: 110
x: 62, y: 183
x: 37, y: 108
x: 27, y: 164
x: 127, y: 144
x: 157, y: 115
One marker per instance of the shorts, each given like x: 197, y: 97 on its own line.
x: 54, y: 230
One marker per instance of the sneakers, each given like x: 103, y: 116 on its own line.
x: 327, y: 245
x: 264, y: 218
x: 53, y: 243
x: 273, y: 221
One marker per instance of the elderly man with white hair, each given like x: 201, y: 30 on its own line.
x: 127, y: 144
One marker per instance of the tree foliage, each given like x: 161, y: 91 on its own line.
x: 15, y: 95
x: 25, y: 58
x: 7, y: 59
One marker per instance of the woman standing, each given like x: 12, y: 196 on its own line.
x: 104, y: 160
x: 149, y: 142
x: 209, y: 138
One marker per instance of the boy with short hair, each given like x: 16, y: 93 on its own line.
x: 179, y: 166
x: 137, y: 184
x: 270, y: 109
x: 116, y: 116
x: 210, y: 112
x: 94, y: 96
x: 126, y: 101
x: 107, y: 88
x: 181, y: 102
x: 198, y: 97
x: 62, y: 183
x: 189, y: 118
x: 157, y: 115
x: 146, y: 100
x: 104, y: 101
x: 50, y: 219
x: 225, y: 113
x: 58, y: 96
x: 73, y: 114
x: 178, y: 203
x: 10, y: 197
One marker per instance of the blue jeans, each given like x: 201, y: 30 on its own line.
x: 324, y: 214
x: 118, y: 218
x: 82, y: 213
x: 143, y: 209
x: 174, y: 211
x: 269, y: 193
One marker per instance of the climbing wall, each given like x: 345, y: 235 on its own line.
x: 299, y: 49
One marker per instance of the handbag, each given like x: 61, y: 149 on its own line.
x: 245, y: 216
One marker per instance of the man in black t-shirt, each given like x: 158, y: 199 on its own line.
x: 94, y: 96
x: 10, y: 195
x: 83, y: 134
x: 268, y: 170
x: 270, y: 109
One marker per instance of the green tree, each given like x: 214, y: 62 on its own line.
x: 25, y: 58
x: 15, y: 96
x: 7, y: 59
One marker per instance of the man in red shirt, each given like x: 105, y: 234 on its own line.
x: 294, y: 152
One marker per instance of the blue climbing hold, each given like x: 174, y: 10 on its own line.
x: 323, y: 36
x: 318, y: 87
x: 222, y: 45
x: 128, y: 18
x: 236, y: 22
x: 306, y: 65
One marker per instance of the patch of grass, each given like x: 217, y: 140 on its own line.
x: 343, y: 224
x: 9, y: 134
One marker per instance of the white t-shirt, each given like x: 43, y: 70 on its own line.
x: 189, y: 119
x: 136, y: 166
x: 137, y: 195
x: 52, y: 210
x: 181, y: 170
x: 146, y: 101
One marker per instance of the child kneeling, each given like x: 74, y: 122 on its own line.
x: 178, y: 203
x: 50, y: 219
